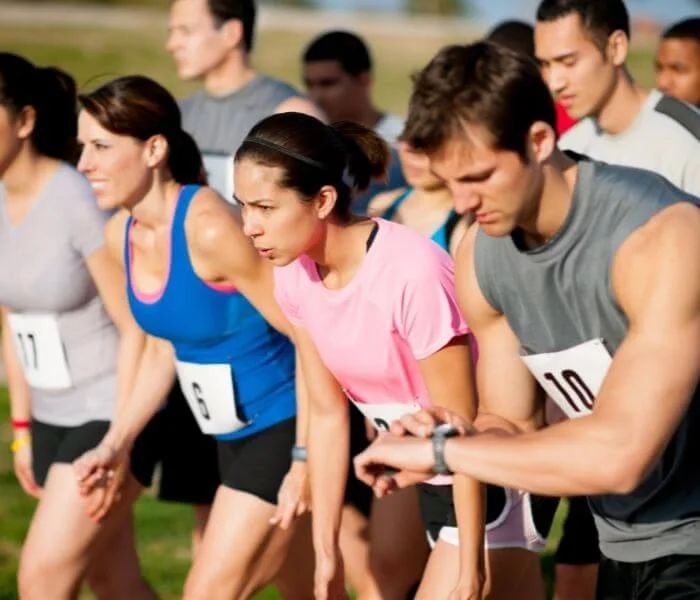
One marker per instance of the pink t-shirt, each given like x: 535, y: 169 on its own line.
x: 399, y: 308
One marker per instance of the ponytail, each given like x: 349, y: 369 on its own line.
x: 185, y: 159
x: 368, y: 155
x: 52, y: 94
x: 56, y: 129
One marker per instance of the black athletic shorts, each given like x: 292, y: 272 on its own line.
x: 187, y: 457
x: 513, y: 519
x: 258, y: 463
x: 56, y: 444
x: 673, y: 577
x: 579, y: 540
x: 357, y: 494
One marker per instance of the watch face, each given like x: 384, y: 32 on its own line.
x: 445, y: 430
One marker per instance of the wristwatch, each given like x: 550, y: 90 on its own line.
x: 299, y: 454
x: 439, y: 436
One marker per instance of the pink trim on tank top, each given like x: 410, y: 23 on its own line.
x: 153, y: 297
x: 220, y: 287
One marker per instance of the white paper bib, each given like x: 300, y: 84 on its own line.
x: 219, y: 168
x: 38, y: 344
x: 209, y: 392
x: 383, y: 415
x: 572, y: 377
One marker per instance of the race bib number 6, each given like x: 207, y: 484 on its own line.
x: 209, y: 392
x: 38, y: 345
x: 572, y: 377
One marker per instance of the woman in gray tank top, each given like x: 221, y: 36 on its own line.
x: 69, y: 343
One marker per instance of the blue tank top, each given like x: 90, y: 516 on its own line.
x: 441, y: 236
x: 217, y: 325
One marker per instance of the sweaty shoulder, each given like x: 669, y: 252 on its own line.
x: 579, y: 137
x: 210, y: 219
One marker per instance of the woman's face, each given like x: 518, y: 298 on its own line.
x: 14, y: 132
x: 115, y: 165
x: 281, y: 224
x: 416, y: 169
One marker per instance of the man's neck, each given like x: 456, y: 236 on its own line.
x: 230, y: 75
x: 623, y: 106
x: 556, y: 197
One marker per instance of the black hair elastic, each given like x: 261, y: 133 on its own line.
x: 282, y: 150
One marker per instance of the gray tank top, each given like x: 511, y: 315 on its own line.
x: 558, y: 301
x: 219, y: 125
x: 59, y: 324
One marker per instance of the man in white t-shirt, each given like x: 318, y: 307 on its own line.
x: 337, y: 72
x: 582, y: 47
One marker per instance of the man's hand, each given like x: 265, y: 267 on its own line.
x: 393, y: 462
x: 101, y: 473
x: 294, y: 496
x: 422, y: 423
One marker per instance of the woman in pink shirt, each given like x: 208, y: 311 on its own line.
x: 375, y: 319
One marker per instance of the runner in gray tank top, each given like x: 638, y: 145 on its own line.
x: 211, y: 42
x: 60, y: 297
x: 582, y: 278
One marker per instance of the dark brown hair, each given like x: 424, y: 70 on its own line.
x: 600, y: 18
x: 482, y: 84
x: 138, y: 107
x: 311, y: 154
x: 240, y: 10
x: 52, y: 95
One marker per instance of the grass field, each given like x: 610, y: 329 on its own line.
x: 94, y: 55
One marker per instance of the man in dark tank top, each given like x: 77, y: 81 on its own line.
x: 211, y: 42
x: 581, y: 281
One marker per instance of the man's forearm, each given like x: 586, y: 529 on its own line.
x: 573, y: 458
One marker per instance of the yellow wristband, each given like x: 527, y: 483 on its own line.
x: 17, y: 445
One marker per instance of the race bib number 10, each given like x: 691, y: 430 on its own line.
x: 209, y: 392
x: 38, y: 345
x: 573, y: 377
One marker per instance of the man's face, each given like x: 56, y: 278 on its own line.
x: 196, y: 44
x: 678, y: 69
x: 497, y: 186
x: 336, y: 92
x: 577, y: 72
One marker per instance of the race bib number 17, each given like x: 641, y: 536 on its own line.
x: 572, y: 377
x: 38, y: 345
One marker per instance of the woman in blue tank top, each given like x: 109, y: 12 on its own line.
x: 203, y: 295
x: 425, y: 206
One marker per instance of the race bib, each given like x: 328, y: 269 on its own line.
x: 572, y: 378
x: 383, y: 415
x: 38, y: 344
x: 219, y: 168
x: 209, y: 392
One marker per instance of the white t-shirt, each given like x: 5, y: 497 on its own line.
x: 390, y: 127
x: 663, y: 138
